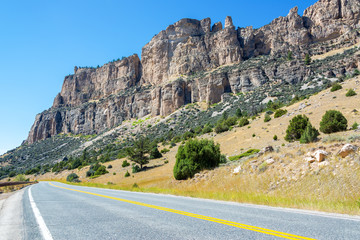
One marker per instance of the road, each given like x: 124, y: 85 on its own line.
x: 51, y: 210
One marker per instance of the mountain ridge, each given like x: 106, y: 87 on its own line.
x: 176, y: 68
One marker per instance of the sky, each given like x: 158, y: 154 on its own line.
x: 41, y: 41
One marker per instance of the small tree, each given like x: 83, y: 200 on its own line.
x: 279, y: 113
x: 243, y: 122
x: 238, y: 113
x: 154, y: 154
x: 350, y: 93
x: 195, y: 156
x: 72, y: 177
x: 310, y: 134
x: 296, y: 128
x: 335, y: 87
x: 289, y: 56
x: 138, y: 153
x: 307, y: 59
x: 267, y: 118
x: 333, y: 121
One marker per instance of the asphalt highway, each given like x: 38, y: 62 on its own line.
x: 51, y: 210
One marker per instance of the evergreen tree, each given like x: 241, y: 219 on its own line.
x: 309, y: 135
x: 290, y: 56
x: 296, y: 128
x: 307, y: 59
x: 138, y: 153
x: 333, y: 121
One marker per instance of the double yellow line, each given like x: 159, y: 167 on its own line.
x: 211, y: 219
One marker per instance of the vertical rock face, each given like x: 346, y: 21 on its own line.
x: 95, y: 99
x: 186, y: 47
x: 330, y: 19
x: 92, y: 84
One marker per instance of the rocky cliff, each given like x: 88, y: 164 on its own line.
x: 187, y: 63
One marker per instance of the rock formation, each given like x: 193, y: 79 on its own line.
x: 188, y: 62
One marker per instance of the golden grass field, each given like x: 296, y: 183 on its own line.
x: 289, y: 182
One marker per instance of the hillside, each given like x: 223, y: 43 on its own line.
x: 289, y: 180
x: 190, y: 76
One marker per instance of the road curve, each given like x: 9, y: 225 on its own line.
x: 51, y: 210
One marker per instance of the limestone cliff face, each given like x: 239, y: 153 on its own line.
x: 95, y: 83
x: 185, y: 63
x: 189, y: 46
x: 328, y: 19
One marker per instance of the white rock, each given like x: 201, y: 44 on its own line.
x: 347, y: 149
x: 270, y: 161
x: 237, y: 169
x: 320, y: 155
x: 309, y: 159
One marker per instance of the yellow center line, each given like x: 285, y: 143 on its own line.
x: 211, y: 219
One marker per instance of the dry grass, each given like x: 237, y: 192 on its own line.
x: 289, y: 182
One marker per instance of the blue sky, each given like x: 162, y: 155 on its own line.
x: 42, y: 41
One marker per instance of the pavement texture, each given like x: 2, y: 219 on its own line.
x: 73, y: 212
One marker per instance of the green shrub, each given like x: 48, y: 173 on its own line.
x: 231, y: 121
x: 254, y: 135
x: 127, y: 174
x: 275, y: 137
x: 20, y: 178
x: 310, y: 134
x: 164, y: 150
x: 110, y: 166
x: 279, y: 113
x: 289, y: 56
x: 12, y: 174
x: 350, y: 93
x: 136, y: 169
x: 267, y: 118
x: 296, y: 128
x: 101, y: 170
x: 72, y: 177
x: 223, y: 158
x: 263, y: 167
x: 125, y: 163
x: 307, y: 59
x: 221, y: 127
x: 243, y: 122
x: 154, y: 154
x: 195, y: 156
x: 335, y: 87
x: 90, y: 173
x: 187, y: 135
x: 355, y: 126
x: 333, y: 121
x: 245, y: 154
x: 238, y: 113
x: 207, y: 129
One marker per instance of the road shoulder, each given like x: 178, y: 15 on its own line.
x: 11, y: 216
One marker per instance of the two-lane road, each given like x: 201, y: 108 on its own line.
x: 60, y: 211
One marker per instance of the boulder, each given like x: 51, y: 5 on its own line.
x: 320, y: 155
x: 270, y: 161
x: 309, y: 159
x: 347, y: 149
x: 266, y: 150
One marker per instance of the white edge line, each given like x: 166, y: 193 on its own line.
x: 39, y: 219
